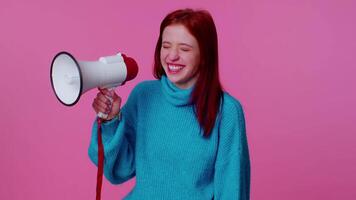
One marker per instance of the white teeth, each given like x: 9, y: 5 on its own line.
x: 174, y: 67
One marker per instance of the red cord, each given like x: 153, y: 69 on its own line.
x: 99, y: 178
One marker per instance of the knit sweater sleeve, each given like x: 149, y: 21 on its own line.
x: 232, y: 167
x: 118, y: 138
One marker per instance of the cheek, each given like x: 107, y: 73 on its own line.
x: 193, y: 61
x: 163, y: 55
x: 197, y: 60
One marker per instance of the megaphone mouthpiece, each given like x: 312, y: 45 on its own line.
x: 132, y: 67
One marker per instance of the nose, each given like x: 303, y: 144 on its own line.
x: 173, y: 54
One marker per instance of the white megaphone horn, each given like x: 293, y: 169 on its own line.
x: 70, y: 78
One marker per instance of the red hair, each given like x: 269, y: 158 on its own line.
x: 207, y: 93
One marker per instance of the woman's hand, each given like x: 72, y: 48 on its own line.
x: 107, y: 102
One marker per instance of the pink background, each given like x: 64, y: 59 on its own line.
x: 290, y: 62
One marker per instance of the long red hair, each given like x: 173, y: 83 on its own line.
x: 207, y: 93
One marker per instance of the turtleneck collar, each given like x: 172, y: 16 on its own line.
x: 174, y: 94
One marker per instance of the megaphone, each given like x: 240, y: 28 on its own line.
x: 70, y: 78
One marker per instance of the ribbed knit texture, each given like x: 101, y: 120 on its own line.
x: 159, y: 140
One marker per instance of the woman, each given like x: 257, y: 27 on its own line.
x: 181, y: 135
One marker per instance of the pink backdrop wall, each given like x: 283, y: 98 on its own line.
x: 291, y: 64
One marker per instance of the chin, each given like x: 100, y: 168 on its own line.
x: 173, y: 79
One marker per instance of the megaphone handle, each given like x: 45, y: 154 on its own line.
x: 104, y: 115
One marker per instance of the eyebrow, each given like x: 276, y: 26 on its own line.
x: 184, y: 44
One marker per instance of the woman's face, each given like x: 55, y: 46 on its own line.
x: 180, y: 55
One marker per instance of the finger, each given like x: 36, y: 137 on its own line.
x: 95, y: 107
x: 99, y: 107
x: 107, y: 105
x: 111, y: 93
x: 103, y: 98
x: 106, y: 91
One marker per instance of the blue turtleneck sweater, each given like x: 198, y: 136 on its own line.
x: 158, y: 139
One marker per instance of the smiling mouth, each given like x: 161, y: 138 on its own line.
x: 175, y: 68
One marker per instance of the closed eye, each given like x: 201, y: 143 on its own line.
x: 185, y: 49
x: 165, y: 46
